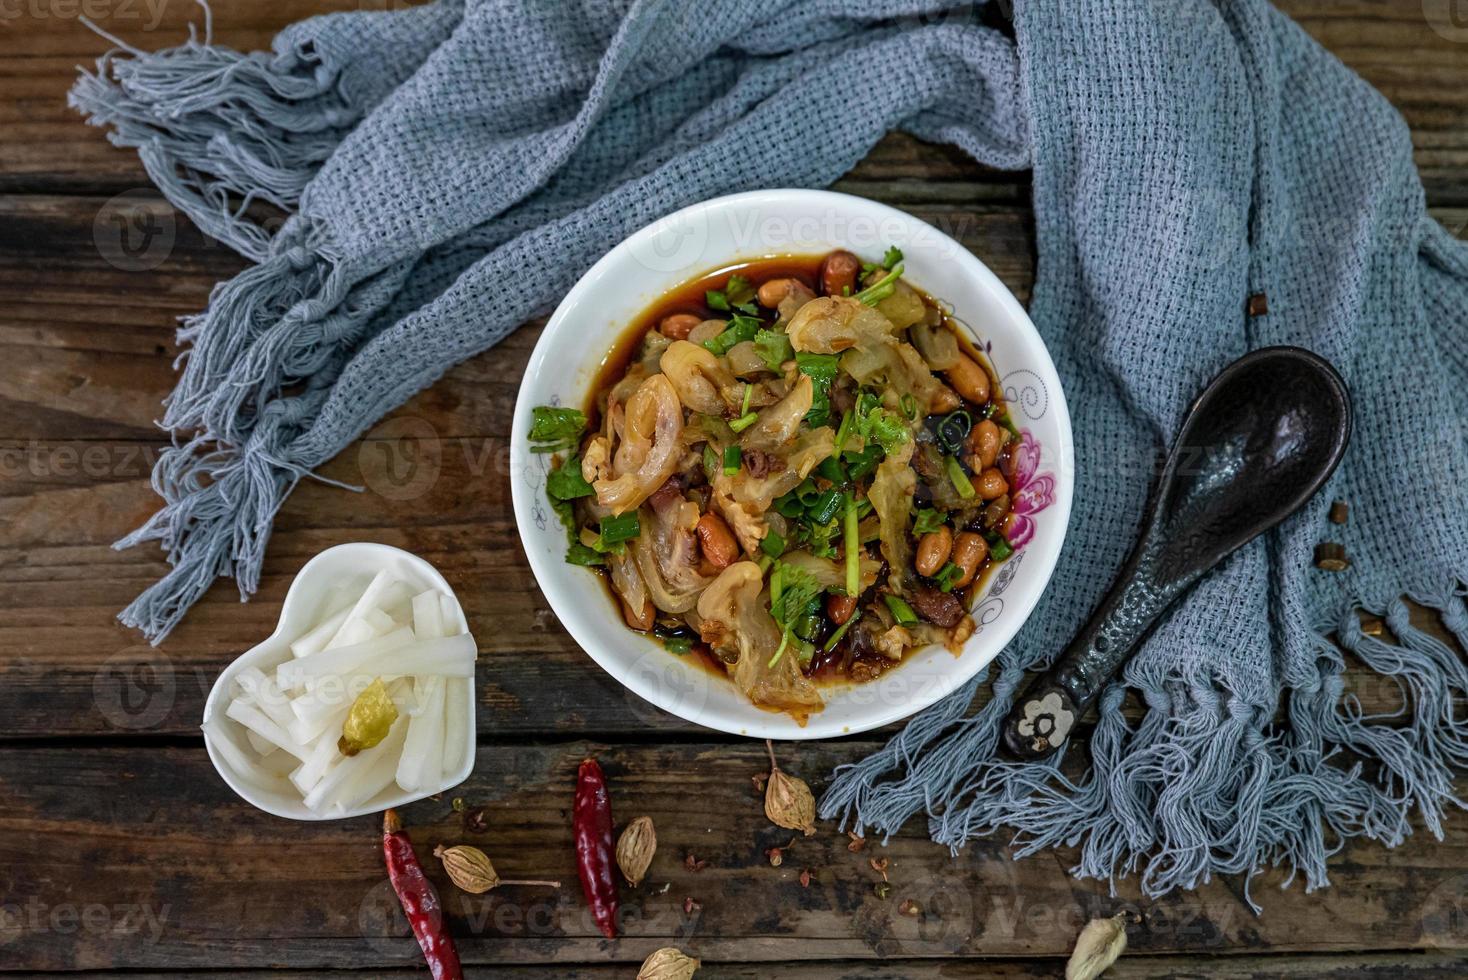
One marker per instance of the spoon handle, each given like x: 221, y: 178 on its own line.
x: 1043, y: 717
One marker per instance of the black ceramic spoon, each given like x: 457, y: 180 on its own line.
x: 1260, y: 440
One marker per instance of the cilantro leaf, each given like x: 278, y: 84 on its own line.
x: 554, y: 430
x: 740, y: 329
x: 821, y: 369
x: 928, y: 520
x: 565, y: 482
x: 739, y: 290
x: 893, y: 256
x: 773, y: 347
x: 799, y: 591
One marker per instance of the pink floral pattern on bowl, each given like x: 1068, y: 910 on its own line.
x: 1030, y: 491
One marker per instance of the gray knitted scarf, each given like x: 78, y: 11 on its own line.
x: 1185, y: 156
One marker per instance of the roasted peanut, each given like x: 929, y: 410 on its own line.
x: 771, y: 291
x: 984, y: 441
x: 991, y: 484
x: 677, y: 325
x: 838, y: 273
x: 995, y: 513
x: 969, y: 379
x: 969, y: 552
x: 840, y: 607
x: 639, y: 620
x: 932, y: 550
x: 944, y: 400
x: 716, y: 540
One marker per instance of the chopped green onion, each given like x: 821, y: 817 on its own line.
x: 744, y: 421
x: 830, y: 469
x: 840, y: 632
x: 953, y: 429
x: 860, y: 465
x: 615, y: 530
x: 731, y: 460
x: 948, y: 576
x: 807, y: 492
x: 789, y: 505
x: 843, y: 432
x: 853, y: 548
x: 1000, y: 549
x: 960, y: 479
x: 807, y: 626
x: 677, y: 644
x: 826, y: 507
x: 928, y: 520
x: 1003, y: 419
x: 909, y: 406
x: 554, y: 430
x: 744, y: 408
x: 773, y: 544
x: 777, y: 584
x: 901, y: 611
x: 882, y: 288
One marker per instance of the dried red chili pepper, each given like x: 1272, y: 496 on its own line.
x: 420, y: 901
x: 592, y: 823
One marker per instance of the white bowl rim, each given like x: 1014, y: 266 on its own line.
x: 369, y: 556
x: 759, y: 723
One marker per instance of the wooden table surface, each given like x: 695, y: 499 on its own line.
x: 121, y: 850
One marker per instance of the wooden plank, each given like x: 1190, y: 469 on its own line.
x: 88, y: 358
x: 1403, y: 49
x: 1399, y: 966
x: 140, y: 858
x: 85, y: 359
x: 72, y: 669
x: 87, y: 342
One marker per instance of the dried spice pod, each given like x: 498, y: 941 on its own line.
x: 668, y: 963
x: 1097, y: 947
x: 471, y: 870
x: 788, y: 800
x: 635, y: 848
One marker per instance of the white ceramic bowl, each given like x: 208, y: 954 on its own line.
x: 356, y: 563
x: 738, y: 228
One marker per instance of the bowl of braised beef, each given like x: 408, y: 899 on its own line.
x: 791, y: 464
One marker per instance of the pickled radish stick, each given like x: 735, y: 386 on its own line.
x: 350, y: 775
x: 255, y: 720
x: 341, y: 660
x: 422, y: 759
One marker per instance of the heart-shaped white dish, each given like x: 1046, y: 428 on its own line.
x: 357, y: 561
